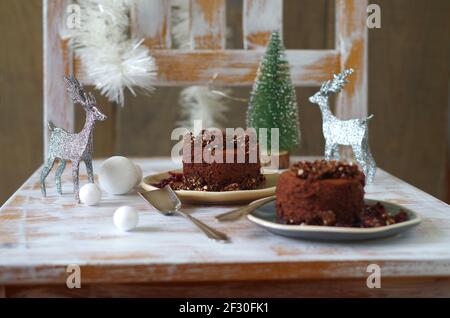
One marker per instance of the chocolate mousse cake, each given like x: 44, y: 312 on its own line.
x: 320, y: 193
x: 240, y: 168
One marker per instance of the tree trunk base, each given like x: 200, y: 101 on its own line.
x: 283, y: 160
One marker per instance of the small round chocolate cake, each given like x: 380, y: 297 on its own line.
x: 239, y: 166
x: 320, y: 193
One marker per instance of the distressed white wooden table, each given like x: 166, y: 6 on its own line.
x: 167, y: 256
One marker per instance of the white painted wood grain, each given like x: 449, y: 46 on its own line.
x: 40, y: 236
x: 150, y: 20
x: 260, y: 19
x: 58, y: 107
x: 236, y: 67
x: 207, y: 24
x: 352, y: 42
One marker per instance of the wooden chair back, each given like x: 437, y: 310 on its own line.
x: 208, y: 55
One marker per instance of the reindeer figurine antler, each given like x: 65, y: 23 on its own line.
x: 74, y: 147
x: 353, y: 132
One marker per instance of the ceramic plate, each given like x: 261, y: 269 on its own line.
x: 265, y: 217
x: 267, y: 188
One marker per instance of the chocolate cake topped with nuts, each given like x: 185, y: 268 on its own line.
x: 320, y: 193
x: 329, y: 193
x: 323, y: 169
x: 205, y: 145
x: 238, y: 169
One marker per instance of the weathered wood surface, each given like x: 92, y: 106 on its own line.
x: 39, y: 237
x: 353, y: 287
x: 58, y: 60
x: 207, y: 55
x: 207, y: 24
x: 235, y: 67
x: 260, y: 19
x: 351, y: 42
x: 150, y: 20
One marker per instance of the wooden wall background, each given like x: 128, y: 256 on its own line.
x: 408, y: 92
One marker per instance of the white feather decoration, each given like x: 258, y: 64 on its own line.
x: 200, y: 103
x: 111, y: 60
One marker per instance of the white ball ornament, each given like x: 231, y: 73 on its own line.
x: 90, y: 194
x: 117, y: 175
x: 139, y: 174
x: 126, y: 218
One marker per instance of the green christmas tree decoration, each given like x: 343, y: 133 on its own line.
x: 273, y: 103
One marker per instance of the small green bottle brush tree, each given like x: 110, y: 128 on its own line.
x: 273, y: 103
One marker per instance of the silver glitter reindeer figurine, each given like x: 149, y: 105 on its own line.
x: 353, y: 132
x: 75, y: 147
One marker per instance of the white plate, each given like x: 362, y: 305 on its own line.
x: 265, y: 216
x: 267, y: 188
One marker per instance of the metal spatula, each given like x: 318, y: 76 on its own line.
x: 166, y: 201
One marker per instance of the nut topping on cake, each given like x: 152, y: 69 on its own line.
x: 323, y: 169
x: 215, y: 161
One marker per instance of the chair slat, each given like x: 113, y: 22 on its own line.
x: 207, y: 23
x: 260, y: 18
x: 351, y: 42
x: 237, y: 67
x: 58, y: 107
x: 150, y: 19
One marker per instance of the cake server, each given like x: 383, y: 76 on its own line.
x: 240, y: 212
x: 166, y: 201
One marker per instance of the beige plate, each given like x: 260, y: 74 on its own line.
x: 267, y: 188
